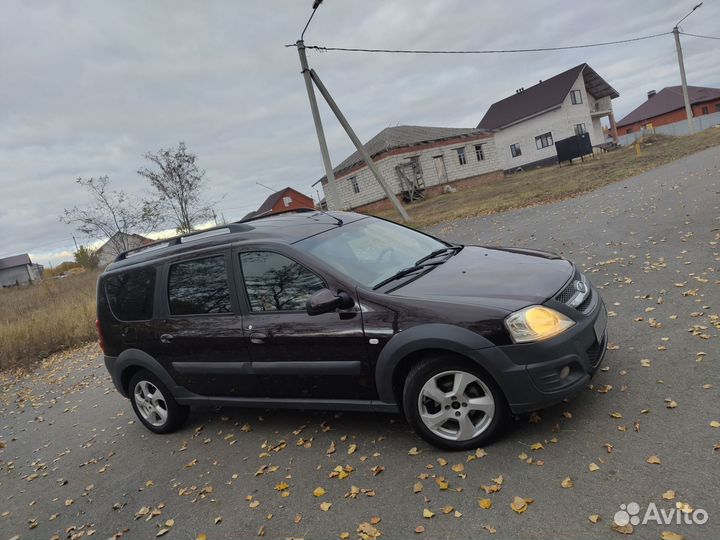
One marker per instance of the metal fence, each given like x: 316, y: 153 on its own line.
x: 675, y: 129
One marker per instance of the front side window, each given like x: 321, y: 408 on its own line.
x: 544, y: 140
x: 580, y: 129
x: 369, y: 250
x: 274, y: 282
x: 576, y: 97
x: 515, y: 150
x: 199, y: 287
x: 461, y: 156
x: 130, y: 294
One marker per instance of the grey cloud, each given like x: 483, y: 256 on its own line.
x: 90, y: 86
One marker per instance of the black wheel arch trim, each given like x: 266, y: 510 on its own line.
x: 135, y: 358
x: 435, y: 336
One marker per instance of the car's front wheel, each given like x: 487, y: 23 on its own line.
x: 451, y: 403
x: 154, y: 405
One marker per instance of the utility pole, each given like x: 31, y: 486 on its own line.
x: 360, y: 148
x: 76, y: 246
x: 332, y: 194
x: 681, y: 63
x: 688, y: 109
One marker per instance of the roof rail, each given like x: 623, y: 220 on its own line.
x: 180, y: 239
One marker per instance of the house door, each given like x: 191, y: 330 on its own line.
x: 440, y: 169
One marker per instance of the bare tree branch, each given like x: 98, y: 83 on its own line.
x: 111, y: 212
x: 178, y: 182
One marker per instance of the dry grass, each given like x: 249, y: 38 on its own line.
x: 554, y: 183
x: 50, y: 316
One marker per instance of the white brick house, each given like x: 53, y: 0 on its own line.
x: 527, y: 123
x: 416, y: 161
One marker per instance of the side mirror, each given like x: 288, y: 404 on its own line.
x: 324, y: 301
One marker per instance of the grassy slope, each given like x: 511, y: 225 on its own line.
x: 49, y: 316
x: 554, y: 183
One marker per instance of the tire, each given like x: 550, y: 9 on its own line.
x: 154, y: 405
x: 450, y: 420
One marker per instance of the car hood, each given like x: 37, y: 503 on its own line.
x: 506, y: 278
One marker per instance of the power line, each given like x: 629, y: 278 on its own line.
x: 488, y: 51
x: 699, y: 36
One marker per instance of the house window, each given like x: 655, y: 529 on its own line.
x: 461, y: 156
x: 580, y: 129
x: 628, y: 130
x: 515, y: 150
x: 717, y: 107
x: 355, y: 185
x: 287, y: 201
x: 576, y: 97
x: 544, y: 140
x: 479, y: 152
x: 705, y: 110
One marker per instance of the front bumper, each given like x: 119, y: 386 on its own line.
x: 531, y: 379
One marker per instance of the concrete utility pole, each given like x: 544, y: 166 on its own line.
x: 360, y: 148
x: 332, y: 192
x: 678, y: 48
x: 688, y: 109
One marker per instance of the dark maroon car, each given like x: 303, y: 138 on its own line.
x: 335, y: 310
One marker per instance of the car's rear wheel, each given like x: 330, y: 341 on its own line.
x: 451, y: 403
x: 154, y: 405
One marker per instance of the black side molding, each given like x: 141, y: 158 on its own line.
x: 270, y: 368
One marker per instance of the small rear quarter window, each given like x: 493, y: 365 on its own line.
x: 130, y: 294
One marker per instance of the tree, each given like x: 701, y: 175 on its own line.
x: 112, y: 214
x: 178, y: 182
x: 87, y: 258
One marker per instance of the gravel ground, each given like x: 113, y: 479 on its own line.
x: 74, y: 460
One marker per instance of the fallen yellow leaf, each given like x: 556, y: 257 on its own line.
x: 669, y: 535
x: 654, y: 460
x: 427, y: 514
x: 594, y: 518
x: 593, y: 467
x: 319, y: 491
x: 485, y: 504
x: 567, y: 482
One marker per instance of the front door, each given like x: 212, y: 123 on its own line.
x: 297, y: 355
x: 200, y: 337
x: 440, y: 169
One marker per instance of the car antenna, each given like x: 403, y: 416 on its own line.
x: 339, y: 221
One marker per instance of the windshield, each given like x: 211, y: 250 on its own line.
x: 370, y: 250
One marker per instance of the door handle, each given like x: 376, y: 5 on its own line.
x: 258, y: 338
x: 166, y: 338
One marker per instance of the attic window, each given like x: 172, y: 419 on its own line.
x: 287, y: 200
x: 576, y: 97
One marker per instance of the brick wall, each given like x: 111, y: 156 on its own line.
x: 432, y: 191
x: 671, y: 117
x: 371, y: 192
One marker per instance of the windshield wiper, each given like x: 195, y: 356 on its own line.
x: 437, y: 252
x: 404, y: 272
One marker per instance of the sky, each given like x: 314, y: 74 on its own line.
x: 88, y: 87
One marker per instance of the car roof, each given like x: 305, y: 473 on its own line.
x: 282, y: 228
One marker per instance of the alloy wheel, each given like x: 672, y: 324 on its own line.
x: 456, y: 405
x: 150, y: 403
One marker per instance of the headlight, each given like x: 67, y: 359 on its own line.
x: 535, y: 323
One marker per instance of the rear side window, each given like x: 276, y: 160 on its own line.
x: 276, y: 283
x: 199, y: 287
x: 130, y: 294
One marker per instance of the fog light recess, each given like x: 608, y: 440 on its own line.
x: 564, y: 372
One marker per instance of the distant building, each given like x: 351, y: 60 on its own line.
x: 668, y: 106
x: 18, y: 270
x: 283, y: 200
x: 118, y: 243
x: 528, y: 122
x: 415, y: 161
